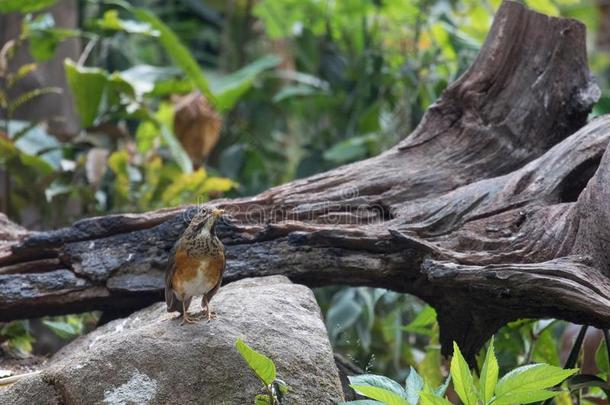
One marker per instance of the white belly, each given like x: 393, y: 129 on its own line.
x: 198, y: 285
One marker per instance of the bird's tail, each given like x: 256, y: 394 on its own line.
x: 173, y: 303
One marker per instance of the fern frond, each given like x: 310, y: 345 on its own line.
x: 5, y: 55
x: 24, y: 130
x: 29, y: 96
x: 20, y: 74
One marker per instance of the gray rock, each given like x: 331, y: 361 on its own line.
x: 148, y: 358
x: 30, y: 390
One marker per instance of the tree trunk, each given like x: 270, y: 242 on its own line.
x: 496, y: 207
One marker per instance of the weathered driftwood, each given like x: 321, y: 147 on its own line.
x: 496, y: 207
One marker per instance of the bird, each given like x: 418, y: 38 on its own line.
x: 195, y: 266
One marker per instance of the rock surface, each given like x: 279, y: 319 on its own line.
x: 148, y: 358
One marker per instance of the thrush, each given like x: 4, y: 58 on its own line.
x: 195, y: 266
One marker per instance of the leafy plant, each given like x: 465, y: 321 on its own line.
x: 9, y: 79
x: 382, y: 331
x: 19, y: 338
x: 523, y: 385
x: 264, y: 368
x: 70, y: 326
x: 16, y: 339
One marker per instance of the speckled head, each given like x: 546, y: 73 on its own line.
x: 204, y: 222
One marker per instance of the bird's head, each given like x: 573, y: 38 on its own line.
x: 204, y: 222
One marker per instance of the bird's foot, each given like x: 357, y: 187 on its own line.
x: 188, y: 319
x: 209, y: 315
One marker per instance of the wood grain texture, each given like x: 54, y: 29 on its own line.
x: 496, y: 207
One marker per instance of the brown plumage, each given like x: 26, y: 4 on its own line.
x: 195, y: 266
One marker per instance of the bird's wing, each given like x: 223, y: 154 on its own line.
x: 215, y: 289
x: 173, y: 303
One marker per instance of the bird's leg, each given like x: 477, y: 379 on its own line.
x: 185, y: 315
x: 207, y: 309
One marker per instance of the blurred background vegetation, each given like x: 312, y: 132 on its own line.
x: 112, y: 106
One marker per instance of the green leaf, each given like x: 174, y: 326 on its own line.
x: 176, y: 149
x: 299, y: 90
x: 379, y: 381
x: 414, y: 385
x: 281, y: 386
x: 343, y: 313
x: 43, y: 37
x: 525, y: 397
x: 546, y: 348
x: 530, y: 378
x: 24, y: 6
x: 62, y: 329
x: 262, y: 399
x: 162, y: 124
x: 22, y: 72
x: 422, y: 322
x: 262, y: 365
x: 119, y: 164
x: 362, y: 402
x: 431, y: 399
x: 111, y: 21
x: 87, y: 86
x: 489, y: 374
x: 440, y: 391
x: 601, y: 357
x: 544, y: 6
x: 217, y: 184
x: 228, y: 89
x: 153, y: 177
x: 380, y: 394
x: 144, y: 78
x: 350, y: 149
x: 462, y: 378
x: 177, y: 52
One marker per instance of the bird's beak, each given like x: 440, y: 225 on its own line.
x: 217, y: 212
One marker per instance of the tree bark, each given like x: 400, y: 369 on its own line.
x: 497, y: 207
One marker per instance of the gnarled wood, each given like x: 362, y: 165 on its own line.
x: 493, y: 209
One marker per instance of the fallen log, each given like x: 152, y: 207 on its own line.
x: 497, y: 207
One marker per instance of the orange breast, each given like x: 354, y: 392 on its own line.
x: 216, y: 265
x: 194, y: 276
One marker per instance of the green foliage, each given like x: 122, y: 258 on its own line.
x: 528, y: 384
x: 229, y: 89
x: 414, y: 386
x: 262, y: 365
x: 87, y: 86
x: 489, y: 374
x: 523, y: 385
x: 112, y: 22
x: 9, y: 103
x: 177, y: 51
x: 463, y: 383
x: 18, y: 339
x: 386, y: 391
x: 383, y: 331
x: 423, y: 321
x: 43, y: 36
x: 70, y: 326
x: 24, y: 6
x: 264, y: 368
